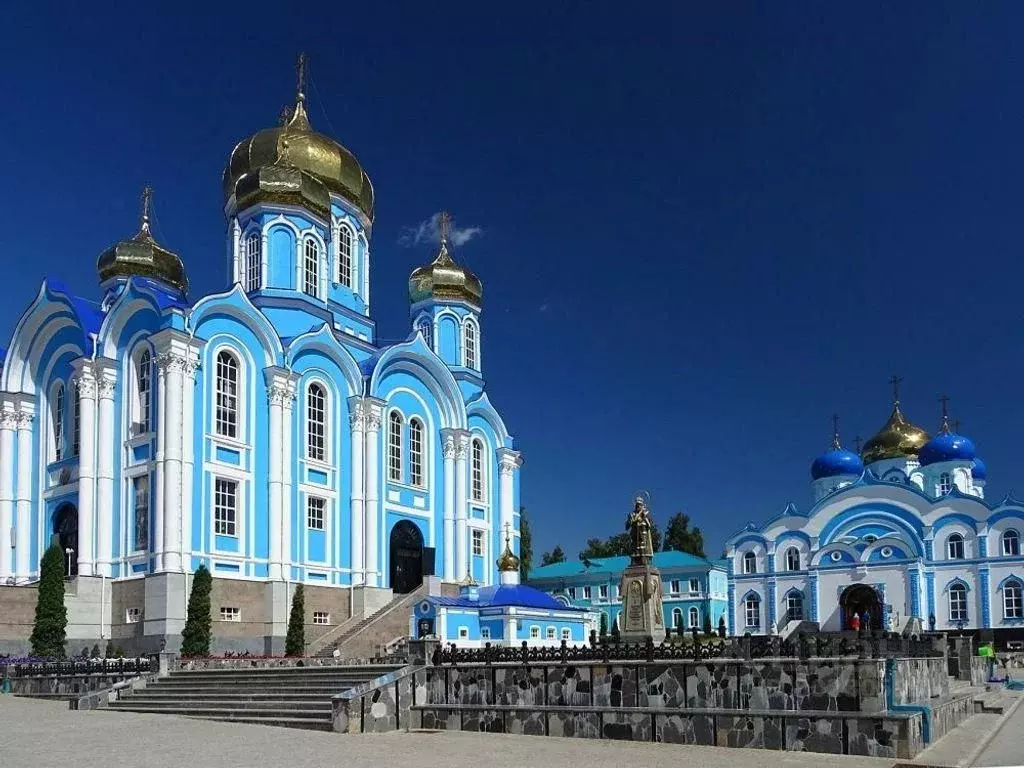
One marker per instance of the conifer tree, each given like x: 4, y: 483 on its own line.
x: 295, y: 641
x: 195, y: 639
x: 51, y: 625
x: 604, y: 624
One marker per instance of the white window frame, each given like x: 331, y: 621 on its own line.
x: 534, y: 632
x: 471, y: 344
x: 674, y: 586
x: 602, y: 591
x: 572, y: 593
x: 749, y: 563
x: 316, y: 513
x: 693, y: 618
x: 230, y: 613
x: 417, y: 465
x: 322, y: 618
x: 550, y: 633
x: 586, y: 593
x: 142, y: 393
x: 463, y: 633
x: 677, y: 617
x: 1010, y: 543
x: 133, y: 615
x: 752, y: 612
x: 311, y: 267
x: 792, y: 559
x: 222, y: 524
x: 346, y: 254
x: 485, y: 633
x: 478, y: 542
x: 958, y: 607
x: 945, y: 483
x: 566, y: 634
x: 58, y: 405
x: 956, y: 547
x: 253, y: 261
x: 76, y: 418
x: 227, y: 404
x: 1013, y: 600
x: 478, y: 471
x: 694, y: 586
x: 426, y: 328
x: 794, y: 598
x: 396, y: 424
x: 318, y: 419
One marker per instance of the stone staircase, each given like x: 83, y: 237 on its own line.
x: 295, y: 697
x: 364, y: 638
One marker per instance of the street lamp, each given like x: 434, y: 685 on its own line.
x: 69, y: 552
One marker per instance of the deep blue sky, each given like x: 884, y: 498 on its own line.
x: 705, y: 229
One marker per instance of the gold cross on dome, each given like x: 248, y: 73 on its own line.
x: 895, y: 381
x: 147, y: 201
x: 300, y: 78
x: 444, y: 224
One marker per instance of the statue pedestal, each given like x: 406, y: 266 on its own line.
x: 642, y: 612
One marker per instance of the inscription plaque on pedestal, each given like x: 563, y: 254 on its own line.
x: 641, y: 583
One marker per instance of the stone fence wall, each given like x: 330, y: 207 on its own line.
x: 919, y: 680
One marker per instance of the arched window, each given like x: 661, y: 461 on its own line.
x: 143, y: 392
x: 58, y: 423
x: 1013, y: 606
x: 794, y: 606
x: 752, y: 612
x: 76, y: 419
x: 316, y: 422
x: 395, y: 447
x: 750, y: 563
x: 345, y: 256
x: 226, y: 391
x: 311, y: 271
x: 694, y: 618
x: 957, y: 602
x: 416, y: 476
x: 955, y: 547
x: 470, y: 346
x: 792, y: 559
x: 426, y: 329
x: 1011, y: 543
x: 945, y: 483
x: 253, y: 261
x: 677, y: 617
x: 477, y: 461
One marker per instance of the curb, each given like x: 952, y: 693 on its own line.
x: 969, y: 760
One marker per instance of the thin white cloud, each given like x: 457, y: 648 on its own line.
x: 429, y: 231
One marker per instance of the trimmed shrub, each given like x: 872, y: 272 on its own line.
x: 49, y: 632
x: 295, y: 641
x: 195, y: 638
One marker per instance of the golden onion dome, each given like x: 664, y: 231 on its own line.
x: 508, y: 560
x: 896, y: 440
x: 292, y: 163
x: 142, y: 256
x: 443, y: 278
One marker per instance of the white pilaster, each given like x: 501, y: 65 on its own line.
x: 264, y: 274
x: 236, y: 251
x: 357, y: 420
x: 188, y: 450
x: 106, y: 376
x: 448, y: 449
x: 287, y: 461
x: 508, y: 462
x: 23, y: 524
x: 158, y: 491
x: 8, y: 426
x: 365, y: 272
x: 374, y: 412
x: 279, y: 394
x: 87, y: 387
x: 461, y: 499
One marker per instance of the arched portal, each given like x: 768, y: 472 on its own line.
x: 65, y: 528
x: 863, y: 600
x: 406, y: 557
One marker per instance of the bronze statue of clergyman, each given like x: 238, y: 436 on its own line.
x: 639, y: 526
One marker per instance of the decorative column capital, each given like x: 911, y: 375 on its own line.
x: 461, y: 445
x: 357, y: 414
x: 448, y: 445
x: 508, y: 461
x: 374, y: 413
x: 281, y: 386
x: 10, y: 420
x: 176, y: 351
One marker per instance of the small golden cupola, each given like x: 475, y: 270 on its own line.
x: 143, y: 256
x: 898, y: 439
x: 443, y: 279
x: 508, y: 563
x: 292, y: 163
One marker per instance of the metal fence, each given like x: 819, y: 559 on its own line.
x: 78, y: 667
x: 748, y: 647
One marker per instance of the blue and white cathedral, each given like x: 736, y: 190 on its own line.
x: 262, y: 431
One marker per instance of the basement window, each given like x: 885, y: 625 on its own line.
x: 321, y: 617
x: 133, y: 615
x: 230, y: 613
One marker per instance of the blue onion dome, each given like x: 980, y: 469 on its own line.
x: 947, y: 445
x: 978, y: 470
x: 837, y: 460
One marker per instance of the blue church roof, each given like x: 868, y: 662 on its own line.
x: 978, y: 470
x: 609, y: 565
x: 946, y: 446
x: 502, y: 595
x: 838, y: 461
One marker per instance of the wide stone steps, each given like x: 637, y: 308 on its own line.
x: 219, y: 692
x: 310, y: 720
x: 223, y: 703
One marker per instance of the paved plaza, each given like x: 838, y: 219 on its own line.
x: 109, y: 740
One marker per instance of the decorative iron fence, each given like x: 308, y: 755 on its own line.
x: 747, y: 647
x: 77, y: 667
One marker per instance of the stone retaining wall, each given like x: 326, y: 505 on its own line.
x: 919, y: 680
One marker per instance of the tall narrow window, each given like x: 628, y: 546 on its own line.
x: 1011, y: 543
x: 792, y: 559
x: 226, y: 387
x: 140, y: 486
x: 470, y: 332
x: 225, y: 507
x: 677, y: 618
x: 945, y: 483
x: 426, y: 329
x: 253, y: 261
x: 795, y: 606
x: 694, y: 618
x: 478, y: 470
x: 1013, y: 607
x: 315, y: 513
x: 316, y: 423
x: 750, y: 563
x: 958, y: 602
x: 345, y: 256
x: 311, y: 276
x: 58, y: 423
x: 416, y: 452
x: 76, y: 420
x: 395, y: 447
x: 144, y: 378
x: 955, y: 547
x: 752, y: 611
x: 478, y: 542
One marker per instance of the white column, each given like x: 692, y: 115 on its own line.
x: 287, y: 454
x: 23, y: 524
x: 365, y: 273
x: 461, y: 494
x: 171, y: 433
x: 508, y: 463
x: 87, y: 386
x: 236, y: 252
x: 357, y: 420
x: 372, y: 460
x: 448, y: 450
x: 279, y: 394
x: 188, y: 461
x: 158, y: 491
x: 8, y: 426
x: 106, y: 380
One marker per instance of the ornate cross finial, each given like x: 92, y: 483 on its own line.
x: 944, y: 399
x: 508, y: 533
x: 835, y: 432
x: 895, y: 381
x: 444, y: 224
x: 147, y: 200
x: 300, y: 79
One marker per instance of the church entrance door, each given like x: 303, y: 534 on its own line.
x: 406, y: 557
x: 863, y: 600
x: 65, y: 528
